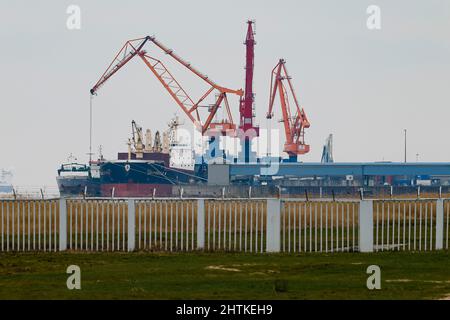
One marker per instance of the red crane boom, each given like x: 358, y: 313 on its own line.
x: 294, y: 122
x: 134, y: 48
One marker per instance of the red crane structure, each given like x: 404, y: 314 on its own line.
x: 248, y: 131
x: 295, y: 121
x: 134, y: 47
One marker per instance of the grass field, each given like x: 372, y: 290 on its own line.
x: 225, y: 276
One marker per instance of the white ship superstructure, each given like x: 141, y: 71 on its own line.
x: 180, y: 146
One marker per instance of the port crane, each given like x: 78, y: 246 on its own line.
x: 248, y: 130
x: 327, y: 151
x: 135, y: 48
x: 295, y: 121
x: 137, y: 139
x: 294, y: 125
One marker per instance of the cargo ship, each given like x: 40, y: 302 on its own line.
x: 150, y: 167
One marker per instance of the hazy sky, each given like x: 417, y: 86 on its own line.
x: 364, y: 86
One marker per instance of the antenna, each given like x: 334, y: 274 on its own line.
x: 71, y: 158
x: 100, y: 152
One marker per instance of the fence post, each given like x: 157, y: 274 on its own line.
x: 62, y: 224
x: 439, y: 224
x: 366, y: 226
x: 131, y: 225
x: 273, y: 225
x: 200, y: 224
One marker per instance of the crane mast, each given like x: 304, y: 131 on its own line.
x: 247, y: 129
x: 246, y: 108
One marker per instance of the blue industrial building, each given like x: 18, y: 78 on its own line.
x: 331, y: 174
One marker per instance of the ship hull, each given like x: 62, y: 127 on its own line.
x: 136, y: 190
x: 77, y: 186
x: 133, y: 178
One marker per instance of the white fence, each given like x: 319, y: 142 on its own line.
x: 319, y: 226
x: 94, y: 225
x: 166, y: 225
x: 235, y: 225
x: 407, y: 225
x: 29, y: 225
x: 242, y: 225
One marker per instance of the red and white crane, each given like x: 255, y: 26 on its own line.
x: 294, y: 118
x: 248, y: 130
x: 246, y: 106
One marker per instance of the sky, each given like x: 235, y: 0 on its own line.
x: 363, y: 86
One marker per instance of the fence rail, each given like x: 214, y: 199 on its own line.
x: 95, y: 225
x: 241, y: 225
x: 236, y: 225
x: 446, y: 223
x: 318, y: 226
x: 405, y: 225
x: 29, y: 225
x: 168, y: 225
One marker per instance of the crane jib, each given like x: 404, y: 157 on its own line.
x: 135, y: 47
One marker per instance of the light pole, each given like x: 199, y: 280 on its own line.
x: 405, y: 143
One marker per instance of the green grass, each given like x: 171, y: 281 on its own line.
x: 224, y: 276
